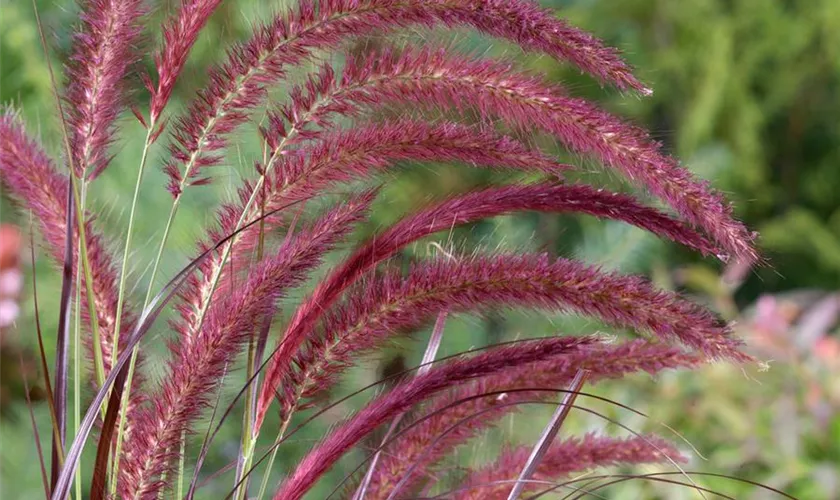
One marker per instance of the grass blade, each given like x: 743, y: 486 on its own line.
x: 548, y: 435
x: 61, y: 345
x: 103, y: 448
x: 37, y: 436
x: 41, y: 351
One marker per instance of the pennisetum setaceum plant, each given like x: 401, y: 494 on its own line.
x: 329, y: 134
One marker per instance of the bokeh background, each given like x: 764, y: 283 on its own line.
x: 747, y: 94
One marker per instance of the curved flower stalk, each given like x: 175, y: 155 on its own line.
x: 446, y: 422
x: 345, y: 157
x: 327, y: 135
x: 469, y: 208
x: 563, y: 458
x: 436, y: 78
x: 238, y: 86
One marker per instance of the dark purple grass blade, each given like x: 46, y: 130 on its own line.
x: 262, y: 341
x: 62, y: 343
x: 120, y: 368
x: 116, y: 378
x: 60, y: 394
x: 41, y: 351
x: 549, y: 434
x: 44, y: 481
x: 103, y: 446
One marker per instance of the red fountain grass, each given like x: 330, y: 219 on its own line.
x: 228, y: 297
x: 103, y: 53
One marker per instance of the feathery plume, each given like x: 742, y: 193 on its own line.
x: 409, y: 393
x: 239, y: 85
x: 437, y: 79
x: 31, y: 178
x: 344, y: 157
x: 198, y: 363
x: 179, y: 35
x: 564, y: 458
x: 353, y: 310
x: 349, y: 155
x: 458, y: 211
x: 449, y: 424
x: 103, y: 51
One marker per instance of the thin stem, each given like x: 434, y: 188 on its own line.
x: 121, y: 424
x: 133, y: 362
x: 77, y: 356
x: 181, y: 467
x: 173, y: 210
x: 127, y: 247
x: 120, y: 300
x: 99, y: 366
x: 249, y: 441
x: 274, y: 450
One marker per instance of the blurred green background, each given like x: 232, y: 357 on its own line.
x: 747, y: 95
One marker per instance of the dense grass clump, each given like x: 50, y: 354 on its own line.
x: 330, y: 135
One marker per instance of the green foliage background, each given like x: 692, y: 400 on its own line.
x: 747, y: 94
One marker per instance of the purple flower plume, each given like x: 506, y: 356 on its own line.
x: 391, y: 303
x: 31, y: 178
x: 457, y: 211
x: 349, y: 155
x: 343, y: 157
x: 444, y: 108
x: 565, y: 457
x: 405, y: 395
x: 198, y: 363
x: 440, y: 80
x: 179, y: 35
x: 449, y: 424
x: 239, y: 85
x: 103, y: 50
